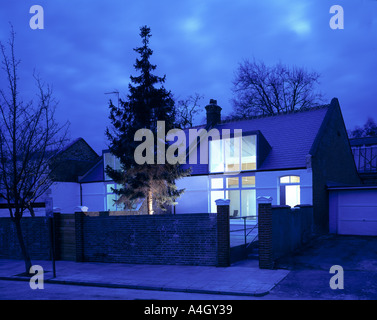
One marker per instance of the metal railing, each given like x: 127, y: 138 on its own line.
x: 247, y: 230
x: 365, y: 158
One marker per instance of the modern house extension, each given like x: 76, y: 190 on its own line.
x: 291, y: 157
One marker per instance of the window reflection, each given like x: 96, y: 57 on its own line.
x: 233, y: 154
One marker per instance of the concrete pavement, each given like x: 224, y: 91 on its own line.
x: 308, y: 276
x: 241, y: 278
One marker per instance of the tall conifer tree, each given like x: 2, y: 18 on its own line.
x: 147, y: 102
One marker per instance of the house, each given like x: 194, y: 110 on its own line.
x: 73, y: 160
x: 291, y: 157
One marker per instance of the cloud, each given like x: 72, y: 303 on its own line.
x: 86, y: 49
x: 298, y: 19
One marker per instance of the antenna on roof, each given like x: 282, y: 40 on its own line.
x: 114, y: 92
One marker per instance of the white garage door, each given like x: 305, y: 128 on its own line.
x: 358, y: 221
x: 357, y: 212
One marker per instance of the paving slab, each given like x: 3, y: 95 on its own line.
x: 241, y: 278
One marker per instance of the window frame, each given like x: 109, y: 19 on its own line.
x: 282, y: 189
x: 119, y: 207
x: 114, y: 163
x: 223, y: 155
x: 225, y: 188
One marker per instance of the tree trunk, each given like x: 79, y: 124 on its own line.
x: 150, y: 202
x: 24, y: 251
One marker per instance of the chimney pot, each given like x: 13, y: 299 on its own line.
x: 213, y: 113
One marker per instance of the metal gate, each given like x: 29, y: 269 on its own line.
x: 243, y: 238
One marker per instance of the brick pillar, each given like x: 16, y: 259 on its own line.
x: 223, y: 237
x: 265, y: 233
x: 79, y: 229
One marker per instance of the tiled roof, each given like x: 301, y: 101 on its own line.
x: 290, y: 135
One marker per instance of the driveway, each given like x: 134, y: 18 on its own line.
x: 309, y: 276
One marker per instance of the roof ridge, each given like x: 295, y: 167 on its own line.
x: 262, y: 116
x: 68, y: 145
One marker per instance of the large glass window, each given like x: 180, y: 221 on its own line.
x: 232, y: 154
x: 248, y: 202
x: 111, y: 197
x: 232, y: 149
x: 216, y: 156
x: 111, y: 161
x: 240, y: 190
x: 290, y: 190
x: 249, y: 155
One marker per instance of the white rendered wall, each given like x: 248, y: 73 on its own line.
x: 195, y: 198
x: 66, y: 196
x: 267, y: 184
x: 94, y: 196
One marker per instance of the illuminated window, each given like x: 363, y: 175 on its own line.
x: 240, y: 190
x: 232, y: 182
x: 233, y: 154
x: 249, y: 158
x: 217, y: 183
x: 290, y: 190
x: 111, y: 161
x: 111, y: 197
x: 248, y: 181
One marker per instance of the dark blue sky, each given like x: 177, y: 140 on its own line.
x: 86, y: 47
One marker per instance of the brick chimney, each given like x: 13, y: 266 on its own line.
x: 213, y: 113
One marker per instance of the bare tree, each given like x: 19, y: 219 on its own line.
x: 369, y: 129
x: 188, y: 109
x: 29, y: 138
x: 260, y: 89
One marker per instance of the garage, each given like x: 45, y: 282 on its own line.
x: 353, y: 210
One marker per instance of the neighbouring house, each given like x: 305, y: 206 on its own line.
x: 71, y: 162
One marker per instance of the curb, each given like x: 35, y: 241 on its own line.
x: 139, y: 287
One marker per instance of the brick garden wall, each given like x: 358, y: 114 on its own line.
x: 282, y: 230
x: 36, y: 237
x: 188, y: 239
x: 291, y: 229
